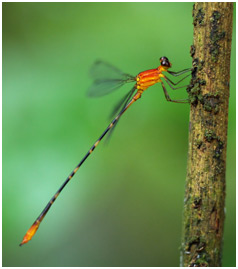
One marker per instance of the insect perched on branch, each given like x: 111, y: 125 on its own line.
x: 107, y: 79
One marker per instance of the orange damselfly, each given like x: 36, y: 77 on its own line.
x: 106, y: 79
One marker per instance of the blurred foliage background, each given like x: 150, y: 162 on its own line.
x: 124, y: 207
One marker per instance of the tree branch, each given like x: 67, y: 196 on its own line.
x: 209, y: 95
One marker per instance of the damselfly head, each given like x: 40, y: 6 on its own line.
x: 164, y: 61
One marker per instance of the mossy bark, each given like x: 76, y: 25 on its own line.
x: 204, y: 201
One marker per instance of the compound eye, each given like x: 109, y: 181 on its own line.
x: 165, y: 61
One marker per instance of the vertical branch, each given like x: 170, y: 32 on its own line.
x: 209, y: 95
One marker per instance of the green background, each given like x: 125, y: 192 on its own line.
x: 124, y: 206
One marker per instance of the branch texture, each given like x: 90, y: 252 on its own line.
x: 209, y: 95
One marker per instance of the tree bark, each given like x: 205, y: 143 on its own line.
x: 204, y: 201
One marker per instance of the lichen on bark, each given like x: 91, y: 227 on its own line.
x: 204, y: 201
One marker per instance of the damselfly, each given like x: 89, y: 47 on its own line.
x: 107, y: 79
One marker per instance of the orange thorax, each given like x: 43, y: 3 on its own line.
x: 149, y: 77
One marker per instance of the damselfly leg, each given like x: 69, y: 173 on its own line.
x: 175, y: 74
x: 170, y: 83
x: 183, y: 101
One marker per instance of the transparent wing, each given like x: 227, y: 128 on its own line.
x: 120, y: 107
x: 107, y: 78
x: 103, y: 87
x: 103, y: 70
x: 122, y: 103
